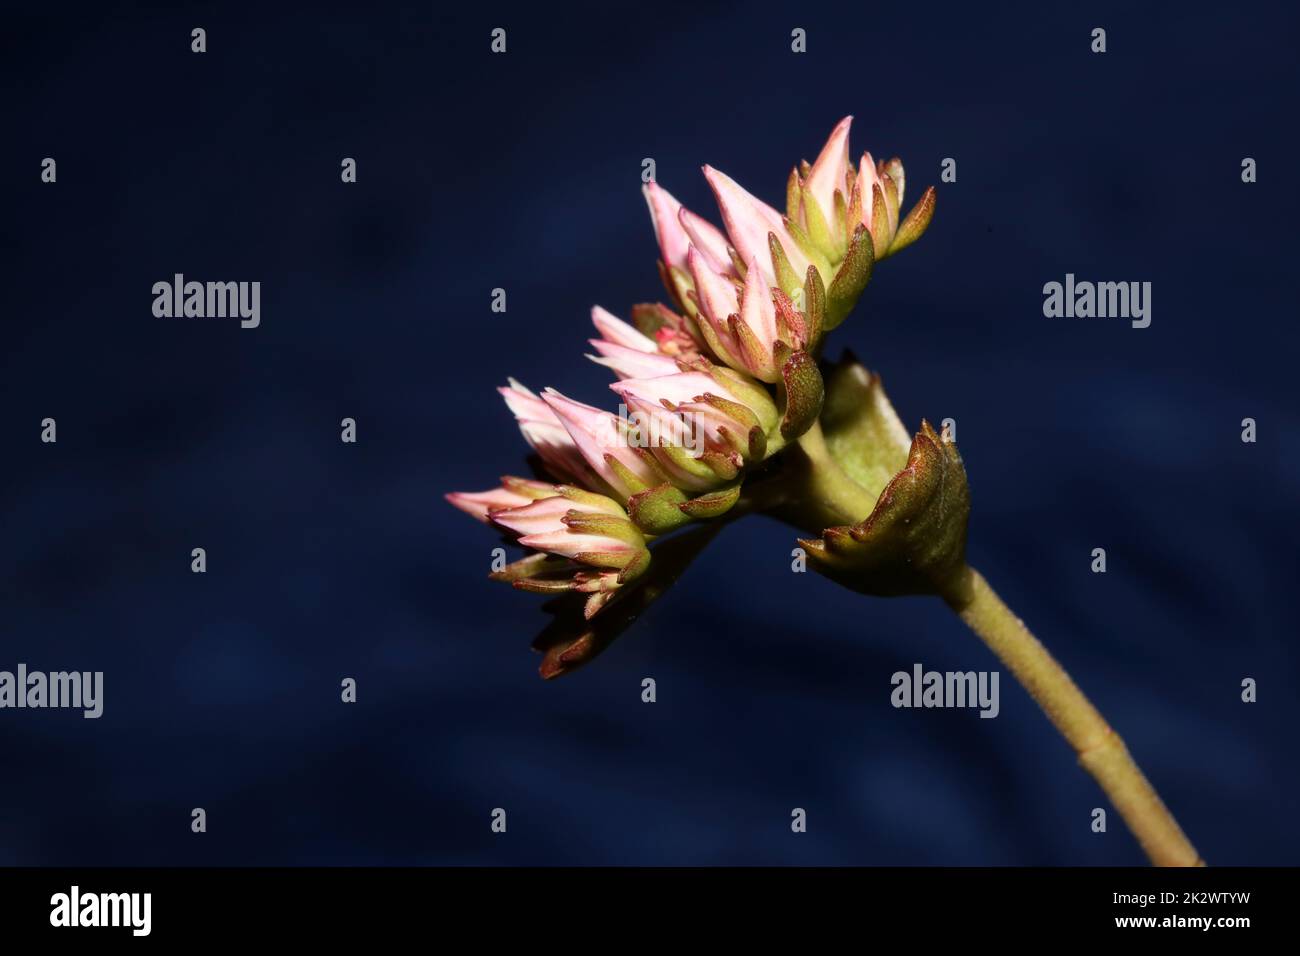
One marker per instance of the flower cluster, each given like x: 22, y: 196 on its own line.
x: 707, y: 390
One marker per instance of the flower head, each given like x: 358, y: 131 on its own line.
x: 582, y: 541
x: 546, y: 434
x: 831, y: 198
x: 708, y: 392
x: 839, y: 220
x: 481, y: 504
x: 608, y: 444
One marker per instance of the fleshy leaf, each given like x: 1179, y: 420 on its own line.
x: 914, y: 541
x: 863, y: 432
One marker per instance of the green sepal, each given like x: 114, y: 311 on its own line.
x: 544, y: 585
x: 656, y: 511
x: 750, y: 393
x: 715, y: 344
x: 681, y: 287
x: 854, y: 217
x: 528, y: 487
x: 752, y: 443
x: 895, y: 169
x: 891, y: 202
x: 803, y: 394
x: 881, y: 237
x: 650, y: 317
x: 785, y: 274
x: 840, y: 227
x: 792, y: 194
x: 781, y: 354
x: 804, y: 241
x: 712, y: 504
x: 636, y: 567
x: 915, y: 224
x: 852, y: 278
x: 614, y: 561
x: 626, y: 475
x: 814, y: 306
x: 819, y: 230
x: 914, y: 541
x: 531, y: 566
x: 752, y: 354
x: 583, y: 497
x: 682, y: 459
x: 791, y: 326
x: 723, y: 466
x: 606, y: 526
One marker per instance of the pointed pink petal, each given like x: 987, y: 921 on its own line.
x: 546, y: 514
x: 572, y: 543
x: 632, y: 363
x: 597, y: 434
x: 593, y: 430
x: 710, y: 421
x: 867, y: 177
x: 671, y: 236
x: 749, y: 220
x: 757, y: 309
x: 525, y: 405
x: 717, y: 295
x: 677, y: 389
x: 477, y: 504
x: 614, y: 329
x: 706, y: 237
x: 542, y: 435
x: 664, y: 427
x: 560, y: 454
x: 535, y: 516
x: 546, y: 435
x: 831, y: 167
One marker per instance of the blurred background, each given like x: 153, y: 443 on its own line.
x: 522, y: 171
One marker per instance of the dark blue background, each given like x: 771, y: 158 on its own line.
x: 523, y: 171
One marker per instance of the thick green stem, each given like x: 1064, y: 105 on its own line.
x: 818, y: 494
x: 1100, y: 750
x: 821, y: 493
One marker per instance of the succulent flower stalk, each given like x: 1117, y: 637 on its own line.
x: 725, y: 408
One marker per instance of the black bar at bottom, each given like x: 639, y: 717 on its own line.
x: 338, y: 904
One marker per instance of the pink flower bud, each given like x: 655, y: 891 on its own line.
x: 723, y: 426
x: 607, y: 444
x: 669, y: 232
x: 613, y: 329
x: 707, y: 238
x: 830, y: 172
x: 478, y: 504
x: 556, y: 526
x: 749, y: 221
x: 632, y: 363
x: 544, y: 432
